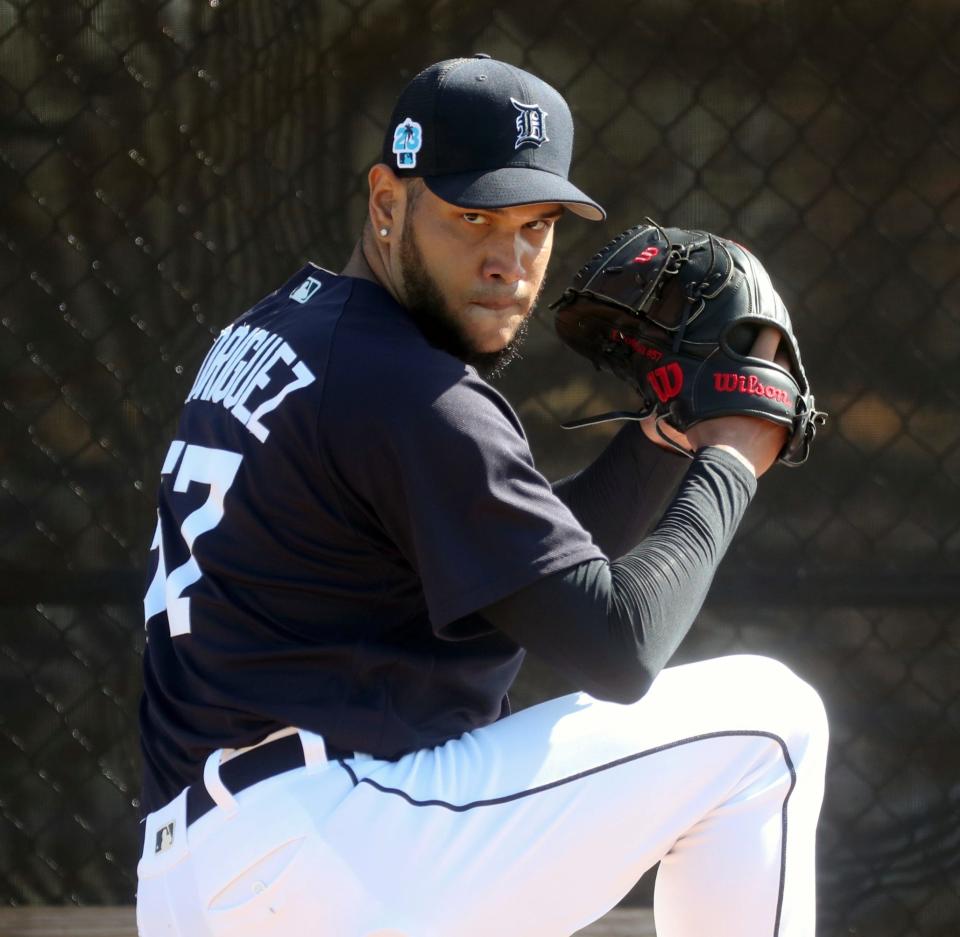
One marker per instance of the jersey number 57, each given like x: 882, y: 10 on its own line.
x: 199, y: 465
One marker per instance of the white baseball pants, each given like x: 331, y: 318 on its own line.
x: 534, y: 826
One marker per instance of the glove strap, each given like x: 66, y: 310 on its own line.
x: 627, y: 415
x: 605, y: 418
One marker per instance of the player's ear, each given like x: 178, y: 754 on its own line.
x: 386, y: 197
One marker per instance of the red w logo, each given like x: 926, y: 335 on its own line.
x: 666, y: 381
x: 647, y: 254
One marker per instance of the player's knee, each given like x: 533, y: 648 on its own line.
x: 795, y: 705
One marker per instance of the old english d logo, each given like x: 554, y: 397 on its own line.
x: 666, y: 380
x: 531, y: 124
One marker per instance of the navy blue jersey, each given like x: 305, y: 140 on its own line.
x: 340, y: 499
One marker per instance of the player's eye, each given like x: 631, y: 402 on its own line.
x: 541, y: 224
x: 472, y: 217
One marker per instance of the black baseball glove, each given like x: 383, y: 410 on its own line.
x: 675, y: 313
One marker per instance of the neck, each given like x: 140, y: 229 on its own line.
x: 358, y: 266
x: 366, y: 263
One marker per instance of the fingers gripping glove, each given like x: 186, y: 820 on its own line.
x: 674, y: 313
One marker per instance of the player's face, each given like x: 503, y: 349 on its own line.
x: 475, y: 274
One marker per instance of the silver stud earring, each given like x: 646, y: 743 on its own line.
x: 384, y: 232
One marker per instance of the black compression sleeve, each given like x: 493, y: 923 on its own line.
x: 619, y: 495
x: 611, y: 627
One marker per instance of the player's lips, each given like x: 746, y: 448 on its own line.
x: 497, y: 305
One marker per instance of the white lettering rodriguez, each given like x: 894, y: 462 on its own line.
x: 242, y: 361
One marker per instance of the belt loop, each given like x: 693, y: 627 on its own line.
x: 314, y: 750
x: 215, y: 786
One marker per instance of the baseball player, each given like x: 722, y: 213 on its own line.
x: 353, y: 552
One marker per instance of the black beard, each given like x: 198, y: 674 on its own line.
x: 429, y: 310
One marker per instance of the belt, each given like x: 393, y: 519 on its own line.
x: 258, y: 764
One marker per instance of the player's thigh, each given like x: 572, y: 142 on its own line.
x: 539, y: 823
x: 552, y: 742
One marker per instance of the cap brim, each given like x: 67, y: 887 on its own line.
x: 513, y: 185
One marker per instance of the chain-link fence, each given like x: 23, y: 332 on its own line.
x: 163, y: 165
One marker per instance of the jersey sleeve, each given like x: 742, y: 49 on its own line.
x: 441, y: 469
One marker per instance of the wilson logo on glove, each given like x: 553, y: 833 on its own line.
x: 666, y: 381
x: 729, y: 383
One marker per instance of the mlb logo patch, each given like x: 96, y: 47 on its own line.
x: 305, y: 290
x: 164, y: 838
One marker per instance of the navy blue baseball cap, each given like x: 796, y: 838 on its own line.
x: 485, y: 134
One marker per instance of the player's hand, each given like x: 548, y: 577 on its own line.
x: 754, y: 441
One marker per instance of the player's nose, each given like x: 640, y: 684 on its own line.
x: 504, y: 260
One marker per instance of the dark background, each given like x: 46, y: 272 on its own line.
x: 164, y: 165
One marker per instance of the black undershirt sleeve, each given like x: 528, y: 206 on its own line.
x: 611, y: 627
x: 619, y: 495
